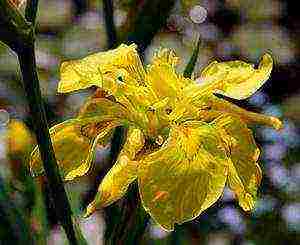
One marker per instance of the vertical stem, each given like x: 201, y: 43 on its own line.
x: 150, y: 19
x: 26, y: 56
x: 127, y: 221
x: 80, y: 7
x: 18, y: 34
x: 108, y: 11
x: 31, y: 10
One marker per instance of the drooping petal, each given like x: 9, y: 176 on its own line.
x: 211, y: 107
x: 74, y: 148
x: 121, y: 175
x: 235, y: 79
x: 244, y: 174
x: 93, y: 125
x: 184, y: 177
x: 101, y: 69
x: 223, y: 106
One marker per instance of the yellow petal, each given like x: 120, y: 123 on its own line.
x: 102, y: 108
x: 166, y: 56
x: 236, y: 79
x: 19, y: 138
x: 184, y: 177
x: 214, y: 107
x: 121, y: 175
x: 74, y: 149
x: 247, y: 116
x: 74, y: 141
x: 161, y: 75
x: 244, y: 174
x: 161, y: 79
x: 98, y: 69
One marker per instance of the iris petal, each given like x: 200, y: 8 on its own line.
x: 162, y: 77
x: 121, y: 175
x: 93, y: 125
x: 236, y: 79
x: 101, y: 69
x: 184, y: 177
x: 72, y: 162
x: 244, y: 173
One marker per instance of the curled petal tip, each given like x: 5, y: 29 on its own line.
x: 277, y: 124
x: 91, y: 208
x: 247, y: 202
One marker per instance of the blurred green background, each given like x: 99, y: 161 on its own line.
x: 229, y: 29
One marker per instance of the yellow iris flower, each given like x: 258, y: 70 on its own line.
x: 183, y: 143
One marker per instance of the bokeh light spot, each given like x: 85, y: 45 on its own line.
x: 4, y: 117
x: 198, y: 14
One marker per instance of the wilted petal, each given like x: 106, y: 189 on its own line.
x: 184, y: 177
x: 244, y: 174
x: 121, y: 175
x: 101, y: 69
x: 236, y: 79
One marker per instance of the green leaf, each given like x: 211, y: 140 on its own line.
x: 188, y: 71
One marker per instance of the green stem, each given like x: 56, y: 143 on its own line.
x: 18, y: 34
x: 14, y: 29
x: 31, y: 10
x: 27, y: 61
x: 150, y: 19
x: 127, y: 220
x: 109, y: 23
